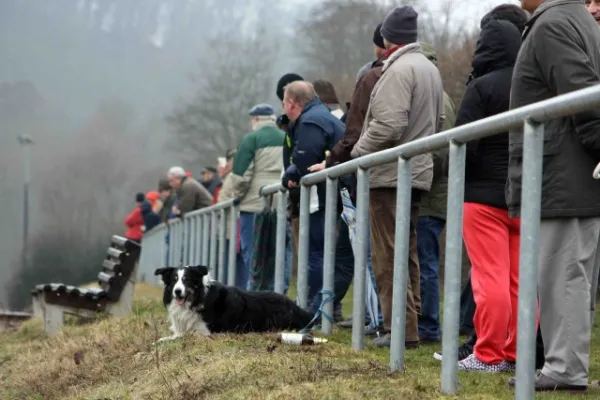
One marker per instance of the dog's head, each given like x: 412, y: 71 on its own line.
x: 185, y: 285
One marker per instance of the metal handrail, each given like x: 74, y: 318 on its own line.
x: 532, y: 118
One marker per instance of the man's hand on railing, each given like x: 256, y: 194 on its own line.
x: 236, y: 202
x: 317, y: 167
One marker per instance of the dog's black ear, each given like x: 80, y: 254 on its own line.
x: 199, y: 269
x: 166, y: 273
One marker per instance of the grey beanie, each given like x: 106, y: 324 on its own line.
x: 400, y: 26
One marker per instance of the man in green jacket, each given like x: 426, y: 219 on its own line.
x: 432, y: 219
x: 258, y: 162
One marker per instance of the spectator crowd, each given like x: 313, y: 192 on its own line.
x: 523, y: 55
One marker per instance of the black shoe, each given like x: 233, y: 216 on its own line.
x: 546, y: 384
x: 377, y: 331
x: 464, y: 351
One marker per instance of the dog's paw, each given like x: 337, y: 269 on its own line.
x: 165, y: 339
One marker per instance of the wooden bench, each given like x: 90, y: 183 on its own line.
x: 52, y: 301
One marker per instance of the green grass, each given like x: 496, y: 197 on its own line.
x: 119, y: 362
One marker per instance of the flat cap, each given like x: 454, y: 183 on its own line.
x: 261, y: 110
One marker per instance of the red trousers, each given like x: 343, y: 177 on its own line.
x: 492, y: 242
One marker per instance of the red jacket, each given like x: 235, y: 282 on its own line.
x: 134, y: 223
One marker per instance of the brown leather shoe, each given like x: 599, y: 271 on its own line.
x: 546, y: 384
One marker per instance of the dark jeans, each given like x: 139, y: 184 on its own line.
x: 344, y: 265
x: 467, y: 308
x: 247, y: 242
x: 241, y: 274
x: 428, y: 248
x: 316, y: 238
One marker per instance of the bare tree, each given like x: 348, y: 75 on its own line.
x: 235, y: 77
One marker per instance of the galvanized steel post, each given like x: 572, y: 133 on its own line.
x: 205, y: 239
x: 360, y: 259
x: 222, y: 247
x: 401, y: 254
x: 303, y: 247
x: 192, y: 240
x: 453, y: 264
x: 198, y: 240
x: 531, y: 196
x: 331, y: 197
x: 212, y: 262
x: 231, y: 259
x: 280, y: 244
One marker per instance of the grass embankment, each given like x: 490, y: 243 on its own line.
x: 116, y: 360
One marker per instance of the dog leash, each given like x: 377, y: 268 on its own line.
x: 321, y: 311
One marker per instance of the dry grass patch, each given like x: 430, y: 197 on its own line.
x: 115, y: 359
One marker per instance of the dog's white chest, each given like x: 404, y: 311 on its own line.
x: 184, y: 320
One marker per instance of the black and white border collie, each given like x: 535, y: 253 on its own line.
x: 198, y: 304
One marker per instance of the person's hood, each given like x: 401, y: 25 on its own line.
x: 429, y: 52
x: 498, y: 46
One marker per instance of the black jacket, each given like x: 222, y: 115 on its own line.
x: 560, y: 54
x: 487, y: 94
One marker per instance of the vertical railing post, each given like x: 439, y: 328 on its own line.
x: 360, y: 259
x: 453, y: 265
x: 205, y: 239
x: 232, y: 259
x: 192, y: 241
x: 185, y: 239
x: 331, y: 195
x: 531, y: 196
x: 303, y: 247
x: 212, y: 262
x: 280, y: 245
x: 172, y: 234
x: 200, y: 238
x: 401, y: 254
x: 222, y: 247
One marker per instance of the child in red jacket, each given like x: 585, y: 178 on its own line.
x: 134, y: 221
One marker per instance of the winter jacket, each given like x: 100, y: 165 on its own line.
x: 258, y: 162
x: 150, y: 218
x: 192, y: 196
x: 560, y: 54
x: 168, y: 204
x: 488, y: 94
x: 407, y: 103
x: 434, y: 203
x: 316, y: 131
x: 212, y: 184
x: 356, y: 114
x: 134, y: 223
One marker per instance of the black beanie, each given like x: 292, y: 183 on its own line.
x: 400, y: 26
x: 286, y: 80
x: 140, y: 197
x: 377, y: 38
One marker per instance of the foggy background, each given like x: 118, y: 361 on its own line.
x: 113, y: 93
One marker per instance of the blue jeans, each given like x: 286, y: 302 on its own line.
x: 467, y: 307
x: 289, y: 258
x: 316, y: 241
x: 428, y: 248
x: 247, y: 243
x: 344, y: 265
x: 241, y: 278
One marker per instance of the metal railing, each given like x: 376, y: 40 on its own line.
x: 267, y: 193
x: 532, y: 117
x: 199, y: 238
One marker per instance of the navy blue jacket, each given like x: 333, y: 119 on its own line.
x: 151, y: 219
x: 308, y: 138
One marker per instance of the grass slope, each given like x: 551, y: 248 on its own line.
x: 117, y: 361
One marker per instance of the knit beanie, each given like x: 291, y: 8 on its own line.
x: 377, y: 38
x: 400, y: 26
x: 286, y: 80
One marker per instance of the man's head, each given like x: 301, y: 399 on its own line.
x: 176, y: 176
x: 139, y: 198
x: 229, y: 156
x: 400, y: 27
x: 507, y: 12
x: 282, y: 122
x: 593, y: 7
x: 378, y: 45
x: 286, y: 80
x: 297, y: 95
x: 208, y: 173
x: 164, y: 188
x: 326, y: 91
x: 531, y: 5
x: 261, y: 113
